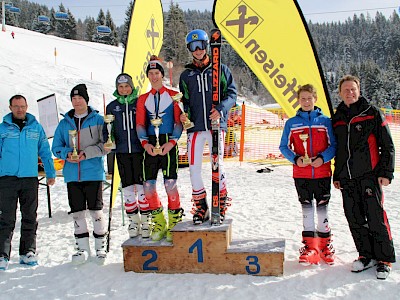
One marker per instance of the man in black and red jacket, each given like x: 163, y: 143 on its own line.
x: 364, y: 163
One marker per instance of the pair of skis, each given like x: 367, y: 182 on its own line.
x: 215, y: 44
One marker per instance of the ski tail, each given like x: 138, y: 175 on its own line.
x: 215, y: 43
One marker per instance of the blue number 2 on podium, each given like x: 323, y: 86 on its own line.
x: 153, y: 258
x: 199, y: 245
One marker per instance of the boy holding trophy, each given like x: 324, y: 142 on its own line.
x: 79, y: 141
x: 129, y: 153
x: 159, y: 127
x: 309, y: 144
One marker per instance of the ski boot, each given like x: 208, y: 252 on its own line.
x: 200, y: 211
x: 145, y: 219
x: 309, y: 254
x: 134, y: 225
x: 174, y: 217
x: 100, y: 244
x: 326, y: 250
x: 83, y: 251
x: 224, y: 202
x: 159, y: 224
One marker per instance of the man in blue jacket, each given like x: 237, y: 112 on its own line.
x: 85, y: 174
x: 195, y: 84
x: 22, y: 141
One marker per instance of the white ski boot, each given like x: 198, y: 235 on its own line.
x: 145, y: 218
x: 134, y: 225
x: 83, y: 251
x: 100, y: 244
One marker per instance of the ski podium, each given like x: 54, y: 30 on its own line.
x: 207, y: 248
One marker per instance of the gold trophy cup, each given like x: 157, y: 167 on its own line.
x: 156, y: 123
x: 73, y: 134
x: 108, y: 119
x: 187, y: 124
x: 306, y: 159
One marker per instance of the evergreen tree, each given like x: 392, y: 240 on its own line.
x: 66, y: 28
x: 41, y: 25
x: 90, y: 28
x: 114, y: 33
x: 175, y: 30
x: 101, y: 18
x: 125, y: 30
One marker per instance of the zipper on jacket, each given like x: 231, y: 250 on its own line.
x: 204, y: 89
x: 128, y: 131
x: 348, y: 148
x: 90, y: 130
x: 123, y: 121
x: 348, y: 140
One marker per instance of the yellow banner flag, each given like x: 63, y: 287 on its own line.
x: 145, y: 38
x: 272, y: 38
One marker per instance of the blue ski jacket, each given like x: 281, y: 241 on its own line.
x: 19, y: 150
x: 196, y: 87
x: 89, y: 140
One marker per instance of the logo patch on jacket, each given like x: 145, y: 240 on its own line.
x: 359, y: 127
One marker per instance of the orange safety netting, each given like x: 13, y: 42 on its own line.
x: 254, y: 134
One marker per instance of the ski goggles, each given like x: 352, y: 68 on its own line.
x: 192, y: 46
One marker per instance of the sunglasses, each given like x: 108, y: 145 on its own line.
x: 202, y: 45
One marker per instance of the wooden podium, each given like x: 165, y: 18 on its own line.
x: 204, y: 249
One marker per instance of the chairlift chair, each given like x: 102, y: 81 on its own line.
x: 103, y: 30
x: 14, y: 10
x: 44, y: 19
x: 62, y: 16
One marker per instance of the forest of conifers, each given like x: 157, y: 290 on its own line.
x: 365, y: 46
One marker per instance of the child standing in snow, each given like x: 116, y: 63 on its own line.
x: 309, y: 143
x: 81, y: 131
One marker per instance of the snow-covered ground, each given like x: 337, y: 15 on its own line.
x: 264, y: 206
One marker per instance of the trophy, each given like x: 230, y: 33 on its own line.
x: 108, y: 119
x: 306, y: 159
x: 156, y: 123
x: 73, y: 134
x: 187, y: 124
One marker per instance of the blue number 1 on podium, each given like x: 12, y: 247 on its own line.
x: 199, y: 245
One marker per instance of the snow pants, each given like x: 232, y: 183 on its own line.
x: 368, y: 222
x: 24, y: 190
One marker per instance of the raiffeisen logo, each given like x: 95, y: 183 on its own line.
x: 242, y: 21
x: 152, y: 34
x: 244, y: 24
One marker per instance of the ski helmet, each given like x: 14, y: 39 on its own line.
x: 196, y: 39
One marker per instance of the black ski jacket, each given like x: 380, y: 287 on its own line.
x: 364, y: 142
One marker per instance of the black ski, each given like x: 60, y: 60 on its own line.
x: 215, y: 43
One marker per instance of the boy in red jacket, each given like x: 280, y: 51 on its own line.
x: 309, y: 143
